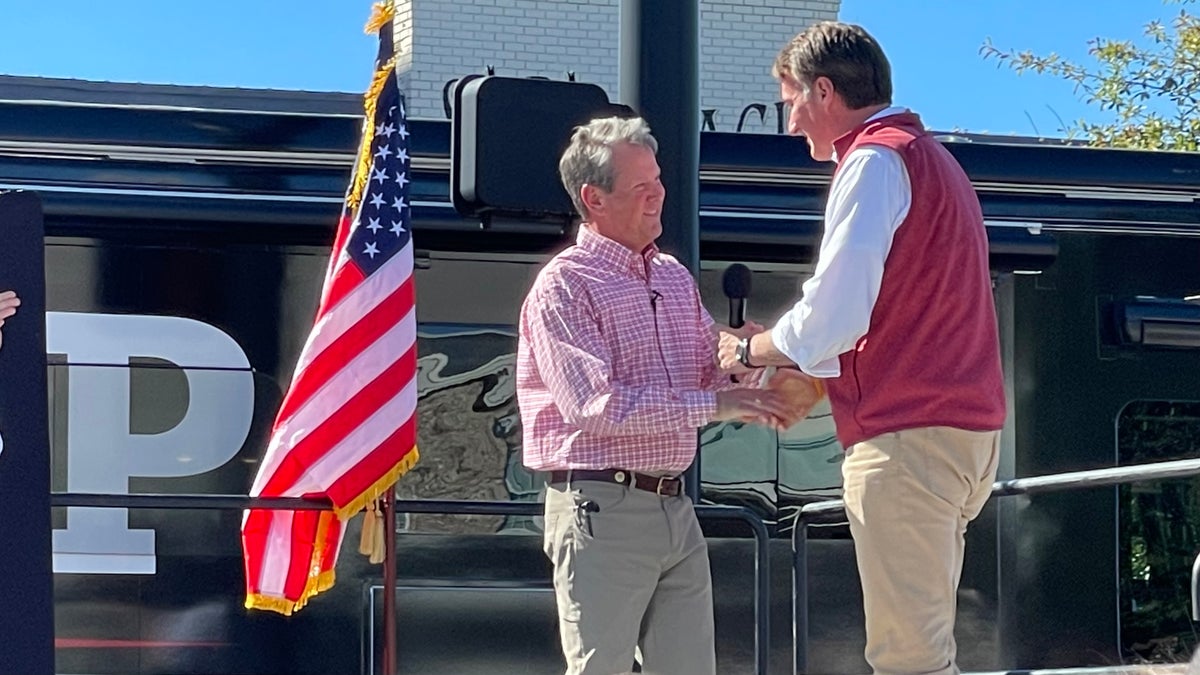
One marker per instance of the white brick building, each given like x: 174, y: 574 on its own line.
x: 441, y: 40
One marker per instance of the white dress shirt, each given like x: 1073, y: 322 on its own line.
x: 868, y: 200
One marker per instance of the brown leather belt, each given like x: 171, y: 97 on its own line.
x: 666, y: 486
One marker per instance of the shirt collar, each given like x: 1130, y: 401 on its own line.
x: 614, y: 254
x: 886, y: 112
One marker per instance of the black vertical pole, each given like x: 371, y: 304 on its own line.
x: 388, y: 504
x: 27, y: 611
x: 660, y: 79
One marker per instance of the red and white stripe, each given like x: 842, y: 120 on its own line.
x: 346, y: 420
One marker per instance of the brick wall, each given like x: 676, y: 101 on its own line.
x: 441, y: 40
x: 738, y: 42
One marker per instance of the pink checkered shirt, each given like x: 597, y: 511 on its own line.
x: 616, y: 361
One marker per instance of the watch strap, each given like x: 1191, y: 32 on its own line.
x: 743, y: 352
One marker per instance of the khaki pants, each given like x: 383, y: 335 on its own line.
x: 909, y: 496
x: 633, y: 574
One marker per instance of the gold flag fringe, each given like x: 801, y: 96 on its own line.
x: 319, y: 581
x: 362, y: 166
x: 381, y: 13
x: 380, y: 486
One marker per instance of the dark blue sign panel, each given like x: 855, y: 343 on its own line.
x: 26, y: 601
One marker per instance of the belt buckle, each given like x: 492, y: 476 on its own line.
x: 658, y: 490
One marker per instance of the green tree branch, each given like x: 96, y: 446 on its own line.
x: 1152, y: 93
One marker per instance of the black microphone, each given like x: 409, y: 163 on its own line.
x: 736, y: 283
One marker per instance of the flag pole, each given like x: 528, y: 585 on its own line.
x: 389, y: 582
x: 386, y: 13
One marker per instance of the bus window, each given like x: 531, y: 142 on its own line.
x: 1159, y: 531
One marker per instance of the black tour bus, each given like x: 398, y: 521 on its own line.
x: 187, y: 232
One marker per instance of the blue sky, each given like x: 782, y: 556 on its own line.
x: 937, y: 69
x: 319, y: 45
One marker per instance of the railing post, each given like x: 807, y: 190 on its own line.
x: 800, y: 594
x: 762, y: 597
x: 762, y: 577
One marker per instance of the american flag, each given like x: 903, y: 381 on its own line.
x: 347, y: 425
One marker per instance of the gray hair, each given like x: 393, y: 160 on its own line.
x: 588, y: 159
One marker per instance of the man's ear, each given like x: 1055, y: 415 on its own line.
x: 823, y: 90
x: 592, y: 197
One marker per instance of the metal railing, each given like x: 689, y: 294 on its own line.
x: 762, y: 576
x: 1072, y: 480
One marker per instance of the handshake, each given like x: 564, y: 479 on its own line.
x: 778, y: 398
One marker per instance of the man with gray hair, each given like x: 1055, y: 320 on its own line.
x: 615, y: 372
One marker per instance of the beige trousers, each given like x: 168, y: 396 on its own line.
x: 909, y: 496
x: 633, y: 573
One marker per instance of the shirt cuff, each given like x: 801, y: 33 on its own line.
x: 701, y: 407
x: 782, y: 337
x: 825, y: 369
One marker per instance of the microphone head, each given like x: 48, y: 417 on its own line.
x: 736, y: 281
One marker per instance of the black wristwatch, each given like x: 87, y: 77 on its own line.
x: 743, y: 352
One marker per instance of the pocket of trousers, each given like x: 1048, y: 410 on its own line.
x: 607, y: 499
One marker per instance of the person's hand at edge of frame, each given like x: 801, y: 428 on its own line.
x: 9, y: 302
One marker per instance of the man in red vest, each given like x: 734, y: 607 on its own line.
x: 899, y: 323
